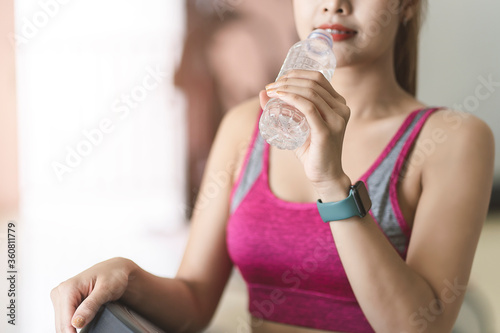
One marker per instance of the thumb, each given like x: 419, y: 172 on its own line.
x: 87, y: 310
x: 263, y: 98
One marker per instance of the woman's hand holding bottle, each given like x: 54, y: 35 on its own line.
x: 327, y: 114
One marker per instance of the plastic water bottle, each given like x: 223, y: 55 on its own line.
x: 281, y: 124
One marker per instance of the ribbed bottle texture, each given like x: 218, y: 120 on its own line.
x: 281, y: 124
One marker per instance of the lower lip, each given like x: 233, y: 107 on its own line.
x: 340, y: 37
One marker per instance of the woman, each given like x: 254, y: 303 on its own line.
x: 402, y: 268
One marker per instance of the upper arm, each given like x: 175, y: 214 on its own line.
x: 206, y: 265
x: 456, y: 187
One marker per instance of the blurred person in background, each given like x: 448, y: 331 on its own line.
x: 232, y: 49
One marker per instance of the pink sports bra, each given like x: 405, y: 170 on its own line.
x: 286, y: 253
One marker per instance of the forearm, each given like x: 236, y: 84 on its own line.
x: 167, y: 302
x: 387, y: 289
x: 391, y: 294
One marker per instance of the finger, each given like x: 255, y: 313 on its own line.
x: 312, y: 75
x: 63, y: 310
x: 312, y: 81
x: 103, y: 292
x: 87, y: 310
x: 313, y: 117
x: 333, y: 96
x: 313, y: 92
x: 304, y: 88
x: 264, y: 98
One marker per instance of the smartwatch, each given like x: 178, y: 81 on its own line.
x: 358, y: 203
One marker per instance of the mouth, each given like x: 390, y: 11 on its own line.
x: 338, y: 31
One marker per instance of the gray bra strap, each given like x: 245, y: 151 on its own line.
x: 250, y: 173
x: 379, y: 185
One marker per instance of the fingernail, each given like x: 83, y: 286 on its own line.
x: 270, y: 86
x: 271, y: 92
x: 78, y: 322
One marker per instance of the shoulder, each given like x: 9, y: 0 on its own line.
x: 458, y: 129
x: 453, y: 120
x: 243, y: 115
x: 238, y: 123
x: 453, y: 138
x: 235, y: 133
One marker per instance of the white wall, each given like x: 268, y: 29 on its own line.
x: 461, y: 45
x: 123, y: 196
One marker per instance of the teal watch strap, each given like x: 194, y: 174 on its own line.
x: 357, y: 203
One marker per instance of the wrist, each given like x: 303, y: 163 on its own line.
x: 132, y: 270
x: 334, y: 190
x: 124, y: 266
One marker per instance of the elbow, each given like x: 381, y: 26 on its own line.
x: 201, y: 311
x: 192, y: 324
x: 196, y: 325
x: 436, y: 317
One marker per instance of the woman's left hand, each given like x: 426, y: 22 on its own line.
x: 327, y: 114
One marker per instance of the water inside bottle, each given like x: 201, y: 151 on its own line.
x: 283, y: 126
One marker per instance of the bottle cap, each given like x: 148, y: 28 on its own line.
x: 323, y: 35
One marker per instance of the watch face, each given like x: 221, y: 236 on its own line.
x: 362, y: 198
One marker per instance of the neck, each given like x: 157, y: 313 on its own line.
x: 371, y: 89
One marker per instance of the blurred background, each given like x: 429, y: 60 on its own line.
x: 108, y: 110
